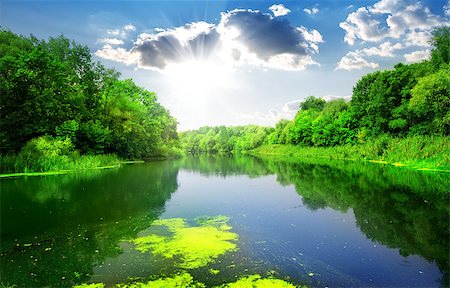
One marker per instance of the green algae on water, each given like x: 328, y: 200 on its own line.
x: 91, y: 285
x: 255, y: 281
x: 195, y: 246
x: 184, y: 280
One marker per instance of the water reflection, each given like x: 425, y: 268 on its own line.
x: 396, y: 207
x: 59, y: 230
x: 54, y: 229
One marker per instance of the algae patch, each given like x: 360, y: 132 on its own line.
x: 195, y: 246
x: 258, y: 282
x: 92, y: 285
x: 184, y: 280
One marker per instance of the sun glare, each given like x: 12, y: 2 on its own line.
x: 198, y: 79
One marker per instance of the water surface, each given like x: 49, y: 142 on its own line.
x: 323, y: 224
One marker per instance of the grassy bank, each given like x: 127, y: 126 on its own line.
x: 421, y: 152
x: 17, y: 165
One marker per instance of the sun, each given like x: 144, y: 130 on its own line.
x: 198, y: 79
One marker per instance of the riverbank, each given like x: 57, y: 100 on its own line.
x: 417, y: 153
x: 15, y: 166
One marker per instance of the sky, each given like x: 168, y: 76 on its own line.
x: 238, y: 62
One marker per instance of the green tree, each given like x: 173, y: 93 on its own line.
x: 312, y: 102
x: 430, y: 102
x: 440, y: 54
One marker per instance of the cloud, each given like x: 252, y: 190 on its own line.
x: 417, y: 56
x: 192, y: 41
x: 357, y: 59
x: 418, y: 38
x: 447, y: 9
x: 354, y: 60
x: 389, y: 19
x: 120, y: 32
x: 279, y: 10
x: 396, y: 24
x: 385, y: 49
x: 117, y: 54
x: 129, y: 27
x: 312, y: 11
x: 110, y: 41
x: 241, y: 37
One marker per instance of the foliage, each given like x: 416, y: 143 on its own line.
x: 49, y: 154
x: 312, y: 102
x: 223, y: 139
x: 53, y: 88
x: 441, y: 42
x: 419, y: 152
x: 430, y: 102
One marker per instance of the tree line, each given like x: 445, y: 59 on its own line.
x: 409, y: 100
x: 55, y: 97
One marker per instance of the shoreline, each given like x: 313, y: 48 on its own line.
x: 342, y: 153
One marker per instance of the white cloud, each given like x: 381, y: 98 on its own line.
x: 363, y: 25
x: 421, y: 38
x: 387, y: 6
x: 242, y: 37
x: 279, y: 10
x: 110, y: 41
x: 116, y: 32
x: 389, y: 19
x: 385, y: 49
x: 121, y: 32
x: 354, y: 60
x: 358, y: 59
x: 117, y: 54
x: 312, y: 11
x: 447, y: 8
x: 129, y: 27
x: 417, y: 56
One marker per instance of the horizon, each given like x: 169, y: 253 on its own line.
x: 237, y: 63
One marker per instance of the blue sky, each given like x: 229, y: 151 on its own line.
x: 238, y: 62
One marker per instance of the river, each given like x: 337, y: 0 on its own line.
x: 321, y: 224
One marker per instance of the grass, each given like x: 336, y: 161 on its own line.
x: 418, y: 152
x: 15, y: 165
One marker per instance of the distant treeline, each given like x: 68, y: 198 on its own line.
x: 54, y: 97
x: 409, y: 100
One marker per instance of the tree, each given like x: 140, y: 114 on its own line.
x: 430, y: 102
x: 440, y: 54
x: 313, y: 102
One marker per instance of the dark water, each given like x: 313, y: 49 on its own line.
x: 321, y: 225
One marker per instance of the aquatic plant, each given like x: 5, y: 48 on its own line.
x: 255, y: 281
x: 184, y: 280
x: 91, y: 285
x: 196, y: 246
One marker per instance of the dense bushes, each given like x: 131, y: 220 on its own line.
x: 49, y: 154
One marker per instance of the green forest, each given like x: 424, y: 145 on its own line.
x: 61, y: 110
